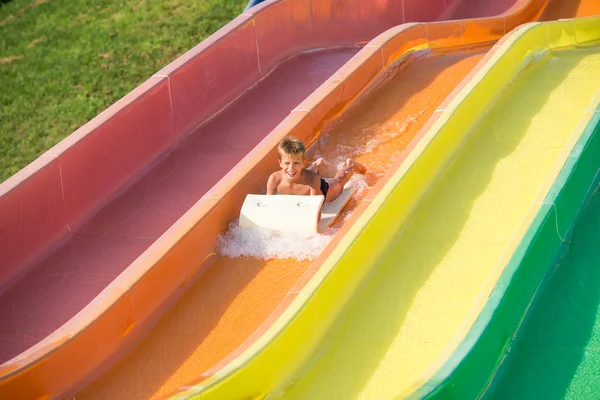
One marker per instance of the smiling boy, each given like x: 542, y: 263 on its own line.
x: 296, y: 178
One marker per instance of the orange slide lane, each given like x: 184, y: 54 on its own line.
x: 236, y: 299
x: 222, y: 309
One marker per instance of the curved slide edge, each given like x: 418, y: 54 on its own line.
x: 279, y: 351
x: 470, y: 369
x: 165, y: 270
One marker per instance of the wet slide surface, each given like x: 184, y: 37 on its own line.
x: 383, y: 121
x: 62, y: 284
x: 414, y: 303
x: 556, y: 354
x: 236, y: 295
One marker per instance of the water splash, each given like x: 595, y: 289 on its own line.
x: 266, y: 244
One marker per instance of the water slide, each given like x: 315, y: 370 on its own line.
x: 232, y: 297
x: 400, y: 315
x: 103, y: 233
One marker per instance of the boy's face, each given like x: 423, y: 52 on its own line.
x: 291, y: 165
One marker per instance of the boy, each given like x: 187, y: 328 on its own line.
x: 295, y: 178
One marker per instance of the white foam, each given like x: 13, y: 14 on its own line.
x: 265, y: 244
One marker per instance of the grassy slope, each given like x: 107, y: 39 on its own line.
x: 63, y: 62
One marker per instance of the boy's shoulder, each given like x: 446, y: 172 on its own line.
x: 275, y: 175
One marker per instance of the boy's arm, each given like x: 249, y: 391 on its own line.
x: 272, y: 184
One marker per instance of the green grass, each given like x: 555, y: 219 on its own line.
x: 63, y: 62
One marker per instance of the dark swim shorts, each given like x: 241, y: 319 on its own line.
x: 324, y: 187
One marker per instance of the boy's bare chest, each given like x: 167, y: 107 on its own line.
x: 295, y: 188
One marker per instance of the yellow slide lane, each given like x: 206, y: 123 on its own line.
x: 399, y: 323
x: 408, y: 312
x: 437, y: 236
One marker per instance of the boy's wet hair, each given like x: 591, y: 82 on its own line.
x: 291, y: 145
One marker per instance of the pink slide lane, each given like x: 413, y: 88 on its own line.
x: 79, y: 225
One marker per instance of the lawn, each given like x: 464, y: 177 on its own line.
x: 63, y: 62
